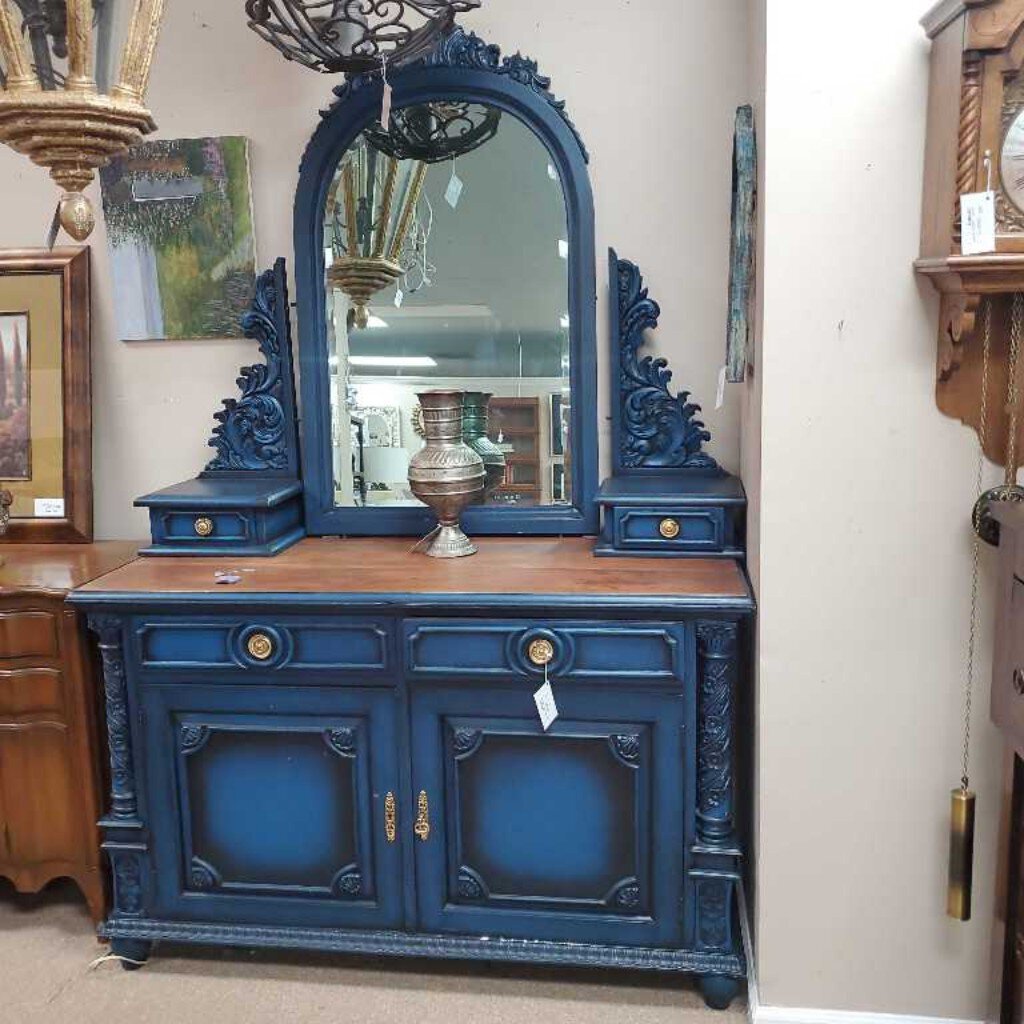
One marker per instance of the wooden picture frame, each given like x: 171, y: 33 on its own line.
x: 64, y: 327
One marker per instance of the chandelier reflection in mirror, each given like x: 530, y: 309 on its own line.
x: 354, y: 36
x: 437, y: 131
x: 61, y: 105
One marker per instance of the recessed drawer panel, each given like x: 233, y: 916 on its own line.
x: 28, y: 634
x: 688, y: 529
x: 30, y: 691
x: 205, y: 527
x: 649, y: 652
x: 354, y: 645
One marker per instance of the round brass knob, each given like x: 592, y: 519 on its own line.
x: 669, y: 528
x: 260, y: 646
x: 203, y: 526
x: 541, y: 652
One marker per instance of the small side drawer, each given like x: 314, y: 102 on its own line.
x: 584, y: 651
x: 352, y: 645
x: 683, y: 529
x: 30, y: 692
x: 28, y: 634
x: 203, y: 527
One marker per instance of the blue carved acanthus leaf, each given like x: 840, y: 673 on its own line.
x: 250, y: 432
x: 659, y: 430
x: 461, y: 49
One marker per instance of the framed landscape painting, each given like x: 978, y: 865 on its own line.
x: 45, y: 394
x: 180, y: 230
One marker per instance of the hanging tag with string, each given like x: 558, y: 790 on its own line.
x: 453, y: 193
x: 385, y: 96
x: 544, y: 698
x: 978, y: 217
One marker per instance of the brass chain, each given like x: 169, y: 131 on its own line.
x: 976, y: 548
x: 1012, y: 389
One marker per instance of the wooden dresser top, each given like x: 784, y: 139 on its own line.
x: 60, y: 567
x: 563, y: 567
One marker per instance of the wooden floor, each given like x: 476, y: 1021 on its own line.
x: 46, y: 946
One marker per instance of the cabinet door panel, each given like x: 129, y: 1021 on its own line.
x: 572, y: 834
x: 269, y: 807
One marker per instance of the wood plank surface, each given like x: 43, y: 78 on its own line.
x: 503, y: 565
x: 60, y: 567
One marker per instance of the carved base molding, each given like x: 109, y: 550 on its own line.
x: 448, y: 946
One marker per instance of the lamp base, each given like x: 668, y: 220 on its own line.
x: 449, y: 542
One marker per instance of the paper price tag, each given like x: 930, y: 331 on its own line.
x: 385, y: 106
x: 453, y: 193
x: 49, y: 508
x: 399, y: 298
x: 720, y: 395
x: 544, y: 698
x: 978, y: 223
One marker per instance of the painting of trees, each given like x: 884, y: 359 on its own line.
x: 15, y: 442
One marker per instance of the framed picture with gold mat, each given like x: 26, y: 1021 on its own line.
x: 45, y: 395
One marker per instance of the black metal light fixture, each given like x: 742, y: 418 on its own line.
x: 354, y: 36
x: 434, y: 132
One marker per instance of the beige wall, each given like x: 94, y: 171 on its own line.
x: 864, y: 542
x: 659, y: 135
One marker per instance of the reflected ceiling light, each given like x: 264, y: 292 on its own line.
x: 563, y: 248
x: 400, y: 362
x: 55, y: 106
x: 438, y: 131
x: 354, y: 36
x: 374, y: 322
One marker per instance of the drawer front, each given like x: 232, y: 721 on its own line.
x: 585, y: 651
x: 202, y: 527
x: 687, y: 529
x: 359, y: 646
x: 30, y: 692
x: 29, y: 634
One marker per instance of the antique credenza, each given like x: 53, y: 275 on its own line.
x: 332, y: 742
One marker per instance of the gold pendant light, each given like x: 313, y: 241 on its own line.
x: 64, y: 121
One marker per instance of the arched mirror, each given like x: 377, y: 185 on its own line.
x: 452, y: 252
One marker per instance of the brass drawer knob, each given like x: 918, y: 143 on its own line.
x: 203, y: 526
x: 669, y: 528
x: 260, y: 646
x: 1018, y: 681
x: 541, y: 652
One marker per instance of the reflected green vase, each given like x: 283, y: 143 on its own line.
x: 474, y: 434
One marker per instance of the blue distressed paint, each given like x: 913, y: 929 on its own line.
x: 466, y: 67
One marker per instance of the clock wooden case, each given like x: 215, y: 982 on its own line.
x: 975, y: 141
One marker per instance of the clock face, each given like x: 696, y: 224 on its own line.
x: 1011, y: 162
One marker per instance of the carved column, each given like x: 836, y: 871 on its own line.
x: 717, y: 650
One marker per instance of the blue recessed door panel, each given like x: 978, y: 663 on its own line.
x: 574, y: 834
x: 273, y: 807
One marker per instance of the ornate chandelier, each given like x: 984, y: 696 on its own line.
x: 433, y: 132
x: 374, y: 211
x: 354, y: 36
x: 57, y: 105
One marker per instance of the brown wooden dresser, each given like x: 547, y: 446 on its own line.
x: 51, y: 751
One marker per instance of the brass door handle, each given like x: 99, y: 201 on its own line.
x: 390, y: 818
x: 422, y: 826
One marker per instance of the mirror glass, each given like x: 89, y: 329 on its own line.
x: 446, y: 264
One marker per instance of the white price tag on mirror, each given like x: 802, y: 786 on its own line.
x: 399, y: 298
x: 977, y: 223
x: 49, y: 508
x: 453, y: 193
x: 385, y: 106
x: 544, y: 698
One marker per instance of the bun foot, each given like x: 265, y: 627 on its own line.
x: 718, y: 990
x: 134, y: 951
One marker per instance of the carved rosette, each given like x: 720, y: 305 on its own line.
x: 627, y: 895
x: 342, y: 741
x: 250, y: 432
x: 718, y: 652
x: 348, y: 885
x: 193, y: 737
x: 470, y: 886
x: 626, y: 749
x: 658, y: 430
x: 123, y: 801
x: 203, y: 876
x: 465, y: 742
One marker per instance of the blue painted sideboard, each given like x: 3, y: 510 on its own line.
x: 339, y: 752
